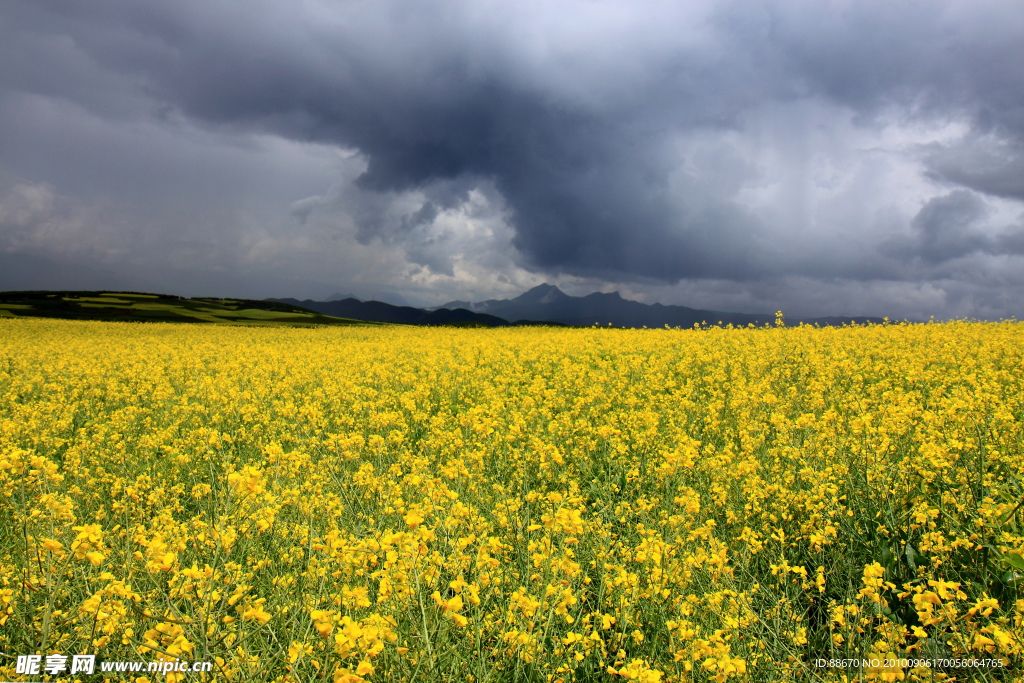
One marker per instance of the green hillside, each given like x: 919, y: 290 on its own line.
x: 134, y: 306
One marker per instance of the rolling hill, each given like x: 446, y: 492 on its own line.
x: 141, y: 307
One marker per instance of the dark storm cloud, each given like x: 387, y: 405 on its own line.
x: 945, y: 228
x: 988, y: 163
x: 1011, y: 242
x: 926, y: 60
x: 576, y: 120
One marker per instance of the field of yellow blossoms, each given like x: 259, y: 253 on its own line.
x: 528, y: 504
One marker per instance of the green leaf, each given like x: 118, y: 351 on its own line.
x: 1015, y: 559
x: 911, y: 556
x: 1011, y: 578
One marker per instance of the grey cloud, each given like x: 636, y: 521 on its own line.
x: 35, y: 219
x: 424, y: 215
x: 1010, y: 242
x: 945, y: 226
x: 933, y: 57
x: 944, y: 229
x: 575, y: 120
x: 581, y: 179
x: 302, y: 208
x: 25, y: 205
x: 990, y: 163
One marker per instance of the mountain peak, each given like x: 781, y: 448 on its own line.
x: 541, y: 294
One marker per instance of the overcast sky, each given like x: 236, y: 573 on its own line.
x: 815, y: 157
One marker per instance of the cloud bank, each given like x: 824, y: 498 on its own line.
x: 822, y: 158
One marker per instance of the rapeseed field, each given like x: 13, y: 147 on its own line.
x: 423, y: 504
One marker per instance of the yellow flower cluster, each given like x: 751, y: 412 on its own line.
x: 419, y: 504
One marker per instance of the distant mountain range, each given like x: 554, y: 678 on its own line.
x: 546, y: 304
x: 378, y: 311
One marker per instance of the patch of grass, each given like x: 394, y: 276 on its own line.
x: 99, y: 300
x: 141, y: 307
